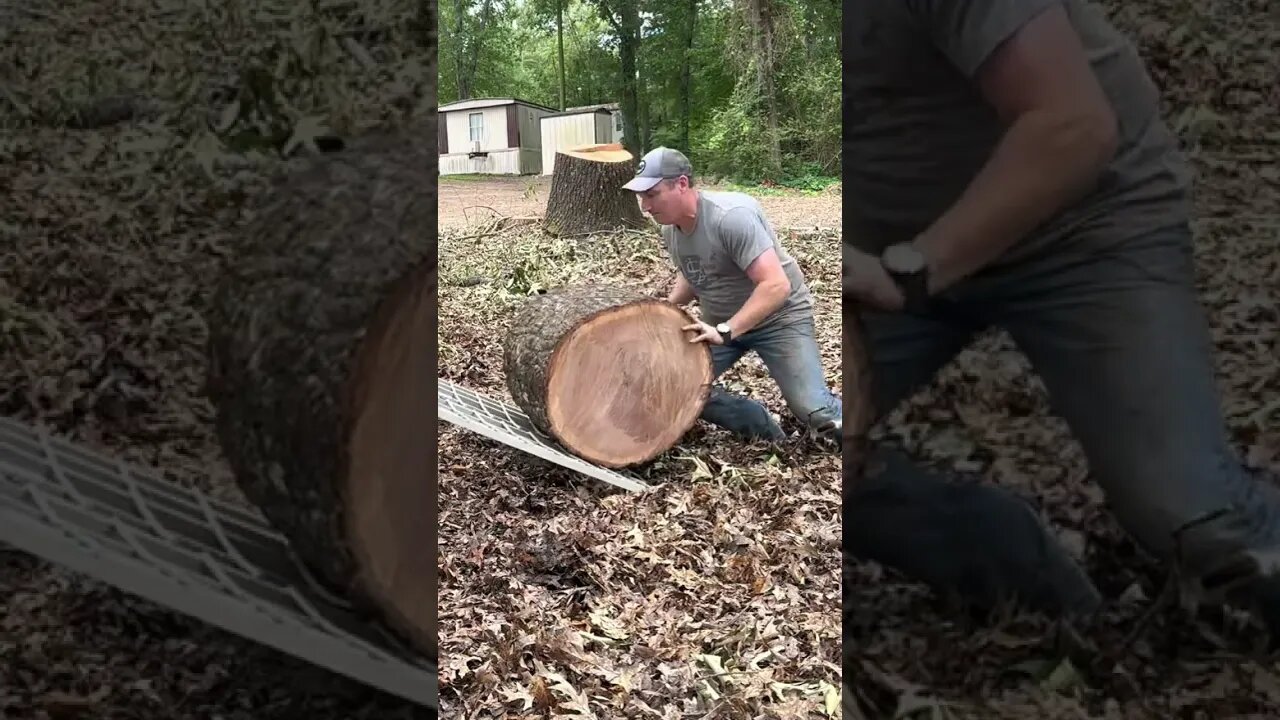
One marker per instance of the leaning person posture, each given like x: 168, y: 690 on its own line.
x: 752, y: 294
x: 1009, y: 167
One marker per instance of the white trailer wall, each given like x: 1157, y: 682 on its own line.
x: 566, y: 131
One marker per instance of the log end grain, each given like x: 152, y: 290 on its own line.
x: 625, y: 383
x: 391, y: 455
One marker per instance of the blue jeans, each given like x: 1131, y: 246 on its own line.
x: 1121, y: 342
x: 790, y: 352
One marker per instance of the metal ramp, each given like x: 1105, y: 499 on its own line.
x: 507, y: 424
x: 211, y: 560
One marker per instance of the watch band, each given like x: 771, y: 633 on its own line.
x: 910, y: 272
x: 915, y: 290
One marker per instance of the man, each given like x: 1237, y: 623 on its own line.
x: 752, y: 294
x: 1006, y: 166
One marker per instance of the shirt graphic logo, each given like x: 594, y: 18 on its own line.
x: 691, y: 266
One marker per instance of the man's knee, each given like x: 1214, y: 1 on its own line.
x: 740, y: 415
x: 1197, y: 513
x: 819, y: 410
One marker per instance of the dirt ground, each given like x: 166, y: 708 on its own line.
x: 467, y: 200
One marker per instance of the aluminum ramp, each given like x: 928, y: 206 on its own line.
x: 507, y: 424
x: 208, y: 559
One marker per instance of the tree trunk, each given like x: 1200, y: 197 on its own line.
x: 607, y: 372
x: 762, y: 21
x: 320, y: 340
x: 686, y: 81
x: 643, y: 103
x: 859, y: 411
x: 460, y: 40
x: 560, y: 44
x: 586, y: 191
x: 626, y: 23
x: 628, y: 40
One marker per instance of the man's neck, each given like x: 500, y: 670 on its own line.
x: 687, y: 223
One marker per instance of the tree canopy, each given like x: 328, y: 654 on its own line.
x: 749, y: 89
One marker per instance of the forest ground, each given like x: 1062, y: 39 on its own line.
x: 467, y: 199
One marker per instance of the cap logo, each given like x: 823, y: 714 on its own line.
x: 640, y: 169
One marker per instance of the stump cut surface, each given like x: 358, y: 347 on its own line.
x: 610, y: 152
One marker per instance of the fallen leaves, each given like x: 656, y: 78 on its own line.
x: 117, y: 205
x: 715, y: 593
x: 989, y: 415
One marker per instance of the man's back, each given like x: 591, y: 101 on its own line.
x: 731, y: 231
x: 917, y: 129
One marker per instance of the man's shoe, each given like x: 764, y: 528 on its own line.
x: 975, y: 541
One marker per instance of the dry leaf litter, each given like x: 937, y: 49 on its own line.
x: 110, y: 234
x: 130, y: 132
x: 1218, y: 66
x: 714, y: 594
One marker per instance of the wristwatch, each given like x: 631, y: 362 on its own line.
x: 909, y: 269
x: 726, y: 332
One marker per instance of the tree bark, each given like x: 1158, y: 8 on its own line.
x: 321, y: 332
x: 627, y: 25
x: 607, y: 372
x: 686, y: 80
x: 762, y: 23
x: 586, y: 191
x: 560, y: 44
x: 460, y: 38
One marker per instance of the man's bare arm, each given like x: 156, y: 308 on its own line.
x: 1062, y: 133
x: 772, y: 288
x: 682, y: 292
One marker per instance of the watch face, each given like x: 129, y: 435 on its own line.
x: 722, y: 328
x: 904, y: 258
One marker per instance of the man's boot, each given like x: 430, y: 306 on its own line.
x: 980, y: 542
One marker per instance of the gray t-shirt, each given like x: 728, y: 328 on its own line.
x: 732, y: 231
x: 917, y: 129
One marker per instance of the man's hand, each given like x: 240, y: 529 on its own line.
x: 705, y: 332
x: 866, y: 280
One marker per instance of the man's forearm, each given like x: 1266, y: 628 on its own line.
x: 767, y: 297
x: 681, y: 292
x: 1041, y: 165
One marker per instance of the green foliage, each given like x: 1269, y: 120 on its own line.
x: 726, y: 120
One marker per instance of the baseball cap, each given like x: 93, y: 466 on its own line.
x: 659, y: 164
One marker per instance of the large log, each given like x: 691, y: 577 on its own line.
x: 607, y: 372
x: 586, y: 192
x: 321, y: 337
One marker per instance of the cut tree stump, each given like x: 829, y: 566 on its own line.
x: 586, y: 192
x: 607, y: 372
x: 859, y: 410
x: 321, y: 345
